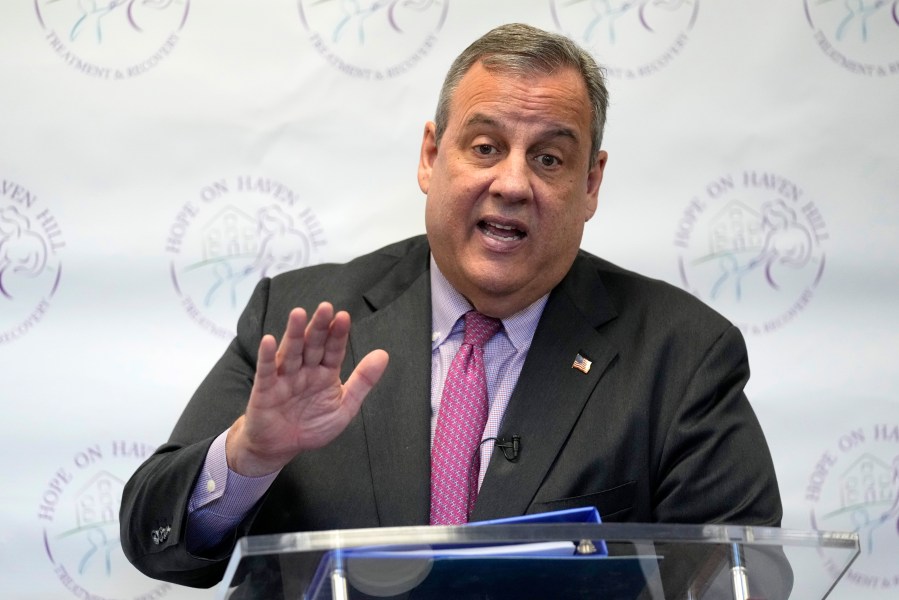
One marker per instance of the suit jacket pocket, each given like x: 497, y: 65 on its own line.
x: 612, y: 503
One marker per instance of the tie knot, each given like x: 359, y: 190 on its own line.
x: 479, y: 328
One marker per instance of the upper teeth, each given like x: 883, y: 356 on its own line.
x: 498, y: 226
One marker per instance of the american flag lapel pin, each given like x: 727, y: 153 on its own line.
x: 581, y: 364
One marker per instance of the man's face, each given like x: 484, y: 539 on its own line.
x: 510, y: 187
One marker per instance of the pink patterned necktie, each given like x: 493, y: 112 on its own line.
x: 455, y: 460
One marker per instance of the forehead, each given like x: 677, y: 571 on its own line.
x: 556, y: 99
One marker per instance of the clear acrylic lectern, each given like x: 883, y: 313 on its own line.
x: 609, y: 561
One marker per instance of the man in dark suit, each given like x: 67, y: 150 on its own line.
x: 622, y: 392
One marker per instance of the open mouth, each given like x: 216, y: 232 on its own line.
x: 503, y: 233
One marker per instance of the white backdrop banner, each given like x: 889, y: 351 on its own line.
x: 159, y: 156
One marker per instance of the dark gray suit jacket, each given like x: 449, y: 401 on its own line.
x: 659, y: 430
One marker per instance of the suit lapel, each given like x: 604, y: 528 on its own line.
x: 550, y: 395
x: 396, y: 414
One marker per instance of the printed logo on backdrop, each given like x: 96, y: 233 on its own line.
x: 373, y: 39
x: 234, y: 233
x: 630, y: 38
x: 30, y: 265
x: 112, y: 39
x: 78, y: 513
x: 861, y: 36
x: 752, y: 246
x: 855, y: 487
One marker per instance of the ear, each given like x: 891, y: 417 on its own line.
x: 428, y: 156
x: 594, y: 180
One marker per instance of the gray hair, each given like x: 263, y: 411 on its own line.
x: 520, y: 49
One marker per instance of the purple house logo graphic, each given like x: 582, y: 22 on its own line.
x: 861, y: 36
x: 633, y: 38
x: 855, y: 487
x: 31, y: 243
x: 232, y: 233
x: 242, y: 229
x: 753, y: 247
x: 112, y: 39
x: 373, y: 39
x: 78, y: 513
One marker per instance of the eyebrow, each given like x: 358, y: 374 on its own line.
x: 482, y: 119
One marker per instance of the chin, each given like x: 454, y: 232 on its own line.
x: 498, y: 289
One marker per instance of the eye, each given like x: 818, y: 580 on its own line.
x: 484, y: 149
x: 548, y: 160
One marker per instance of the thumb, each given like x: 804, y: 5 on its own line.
x: 363, y: 378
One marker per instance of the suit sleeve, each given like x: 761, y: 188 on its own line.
x: 153, y: 515
x: 715, y: 465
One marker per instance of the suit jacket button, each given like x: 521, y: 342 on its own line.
x: 160, y: 535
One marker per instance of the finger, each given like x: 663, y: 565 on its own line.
x: 290, y: 351
x: 366, y: 375
x: 317, y: 334
x: 335, y: 345
x: 266, y: 366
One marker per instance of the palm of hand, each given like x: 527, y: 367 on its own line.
x: 298, y: 402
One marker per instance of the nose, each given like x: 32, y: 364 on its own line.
x: 512, y: 179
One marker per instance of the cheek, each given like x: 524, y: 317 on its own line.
x: 568, y: 239
x: 434, y: 220
x: 567, y: 217
x: 567, y: 234
x: 441, y: 219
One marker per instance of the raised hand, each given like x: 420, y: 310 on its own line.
x: 298, y: 402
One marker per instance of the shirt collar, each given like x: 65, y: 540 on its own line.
x: 448, y: 305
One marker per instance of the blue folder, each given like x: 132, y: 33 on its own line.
x: 513, y: 571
